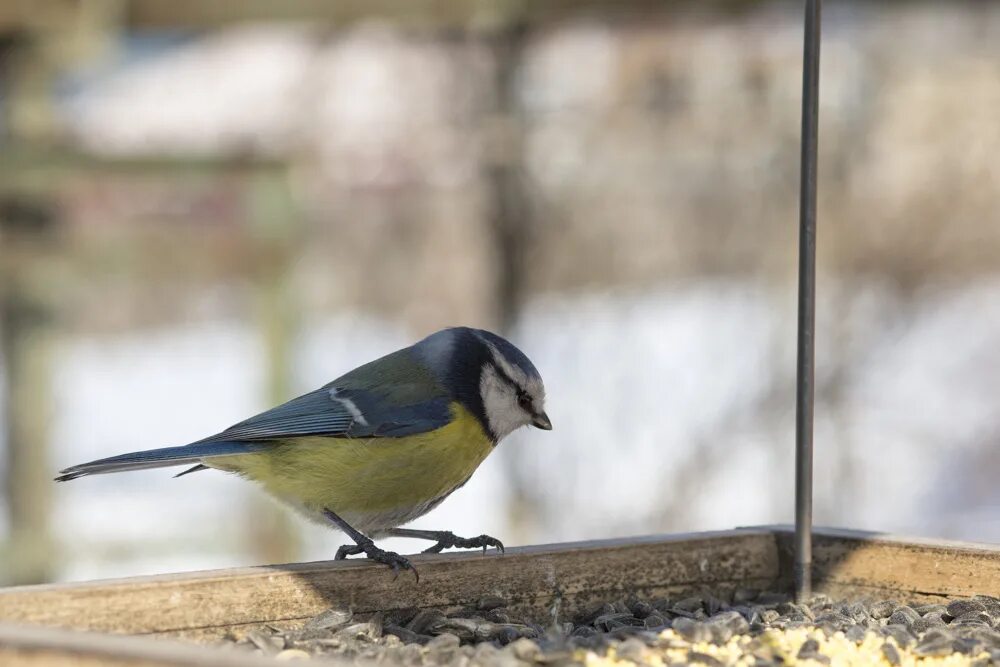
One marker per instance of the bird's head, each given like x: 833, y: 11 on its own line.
x: 489, y: 376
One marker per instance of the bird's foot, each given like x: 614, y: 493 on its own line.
x: 364, y: 544
x: 348, y: 550
x: 373, y: 553
x: 447, y: 539
x: 393, y: 560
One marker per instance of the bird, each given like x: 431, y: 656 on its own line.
x: 379, y: 446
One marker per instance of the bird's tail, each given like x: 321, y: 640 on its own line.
x: 159, y: 458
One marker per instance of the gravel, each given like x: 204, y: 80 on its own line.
x: 744, y: 628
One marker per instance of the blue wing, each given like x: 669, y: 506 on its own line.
x: 344, y: 413
x: 331, y: 411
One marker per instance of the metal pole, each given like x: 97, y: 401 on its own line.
x: 807, y: 306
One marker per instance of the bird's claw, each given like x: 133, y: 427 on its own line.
x: 393, y: 560
x: 373, y: 553
x: 447, y: 540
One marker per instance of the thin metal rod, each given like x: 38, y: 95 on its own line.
x: 807, y: 305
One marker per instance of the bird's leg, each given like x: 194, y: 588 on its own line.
x: 364, y: 544
x: 446, y: 539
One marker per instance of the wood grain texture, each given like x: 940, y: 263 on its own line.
x: 206, y: 604
x: 849, y: 561
x: 31, y: 646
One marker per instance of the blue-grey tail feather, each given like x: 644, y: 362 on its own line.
x: 159, y: 458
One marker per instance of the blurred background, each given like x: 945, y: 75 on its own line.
x: 208, y: 208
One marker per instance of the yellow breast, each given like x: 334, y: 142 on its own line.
x: 378, y: 482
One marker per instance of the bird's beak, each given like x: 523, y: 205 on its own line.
x: 541, y: 420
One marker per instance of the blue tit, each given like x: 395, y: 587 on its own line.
x: 379, y: 446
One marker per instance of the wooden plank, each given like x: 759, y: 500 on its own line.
x: 436, y: 14
x: 24, y: 169
x: 27, y: 339
x: 31, y: 646
x: 203, y: 605
x: 910, y: 568
x: 430, y: 14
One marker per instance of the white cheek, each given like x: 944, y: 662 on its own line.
x: 500, y: 404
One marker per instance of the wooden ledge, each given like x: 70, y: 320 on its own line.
x: 206, y: 605
x: 201, y: 605
x: 35, y: 646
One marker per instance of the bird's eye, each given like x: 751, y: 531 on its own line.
x: 524, y: 400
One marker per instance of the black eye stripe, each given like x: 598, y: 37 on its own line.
x: 509, y: 380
